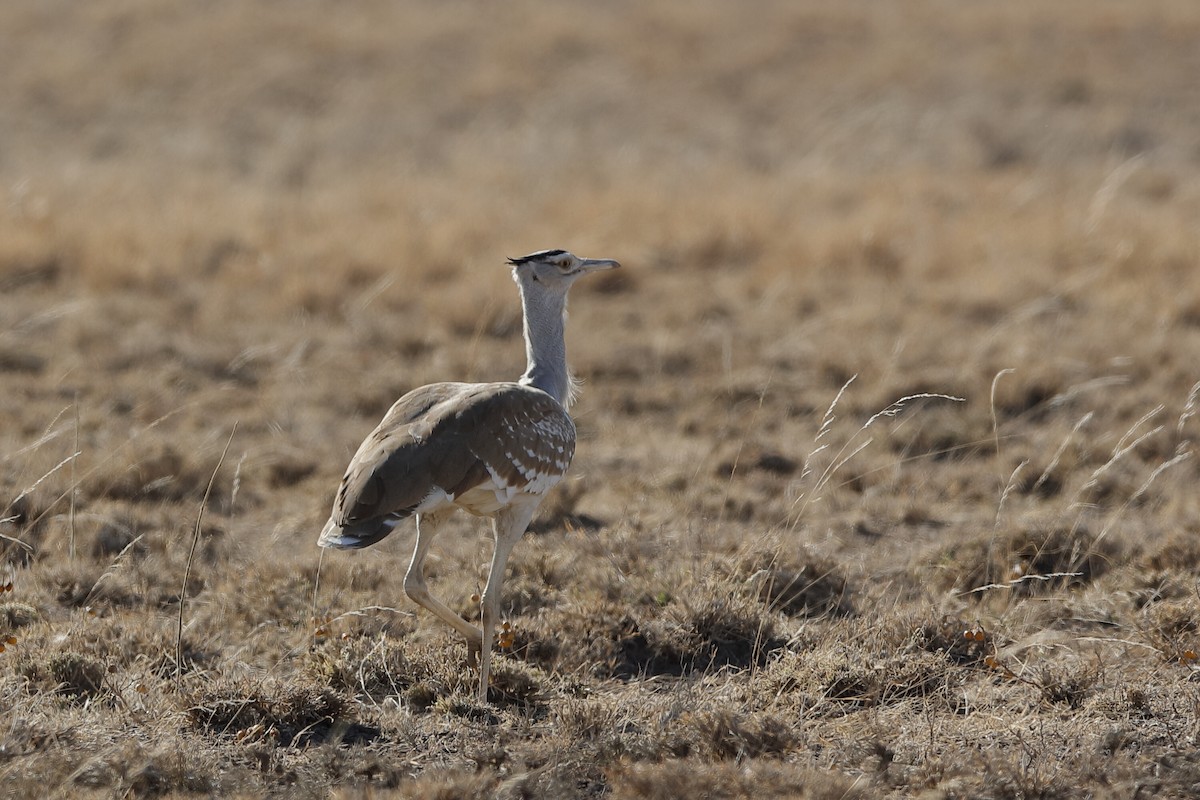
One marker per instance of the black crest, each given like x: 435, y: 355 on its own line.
x: 540, y: 255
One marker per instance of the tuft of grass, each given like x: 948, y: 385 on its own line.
x: 709, y: 631
x: 75, y: 675
x: 1070, y: 686
x: 727, y: 781
x: 724, y: 735
x: 720, y: 630
x: 375, y: 669
x: 963, y: 642
x: 1028, y: 561
x: 812, y: 588
x: 281, y: 715
x: 14, y: 616
x: 604, y: 640
x: 855, y: 677
x: 1173, y: 630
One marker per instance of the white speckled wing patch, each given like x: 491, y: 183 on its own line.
x: 530, y: 449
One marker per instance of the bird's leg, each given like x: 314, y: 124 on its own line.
x: 508, y: 526
x: 474, y: 648
x: 414, y: 587
x: 473, y: 651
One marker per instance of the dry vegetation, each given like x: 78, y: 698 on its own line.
x: 284, y: 215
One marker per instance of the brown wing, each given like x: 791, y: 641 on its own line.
x: 453, y: 437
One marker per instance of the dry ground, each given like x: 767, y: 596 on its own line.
x: 280, y: 216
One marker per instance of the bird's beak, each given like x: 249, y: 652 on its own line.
x: 597, y: 264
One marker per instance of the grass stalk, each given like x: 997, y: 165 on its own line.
x: 187, y: 568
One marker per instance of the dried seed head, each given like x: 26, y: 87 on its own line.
x: 976, y: 633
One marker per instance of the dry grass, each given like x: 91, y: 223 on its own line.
x: 754, y: 583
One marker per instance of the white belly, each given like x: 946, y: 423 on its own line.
x: 494, y: 494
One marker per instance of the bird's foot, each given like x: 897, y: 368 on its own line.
x: 473, y: 651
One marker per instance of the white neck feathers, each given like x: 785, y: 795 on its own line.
x: 545, y: 343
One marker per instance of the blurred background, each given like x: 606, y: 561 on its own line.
x: 143, y: 138
x: 289, y: 214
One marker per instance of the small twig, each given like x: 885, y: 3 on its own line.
x: 237, y: 484
x: 992, y: 401
x: 1149, y: 415
x: 829, y: 417
x: 1189, y: 408
x: 898, y: 405
x: 187, y: 568
x: 840, y: 459
x: 38, y: 482
x: 1114, y: 640
x: 891, y: 410
x: 1108, y: 190
x: 845, y: 460
x: 317, y: 583
x: 74, y: 485
x: 28, y: 547
x: 112, y: 568
x: 362, y: 612
x: 1008, y: 489
x: 1010, y: 584
x: 47, y: 508
x: 1118, y: 453
x: 1062, y: 448
x: 48, y: 434
x: 1182, y: 455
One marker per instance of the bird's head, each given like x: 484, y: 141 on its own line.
x: 555, y: 270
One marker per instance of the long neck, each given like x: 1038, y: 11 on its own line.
x: 545, y: 347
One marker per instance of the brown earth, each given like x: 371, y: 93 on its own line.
x: 769, y: 574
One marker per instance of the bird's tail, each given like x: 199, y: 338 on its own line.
x: 355, y: 535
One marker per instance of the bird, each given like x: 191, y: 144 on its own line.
x: 491, y: 449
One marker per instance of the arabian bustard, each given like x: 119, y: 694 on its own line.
x: 492, y: 449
